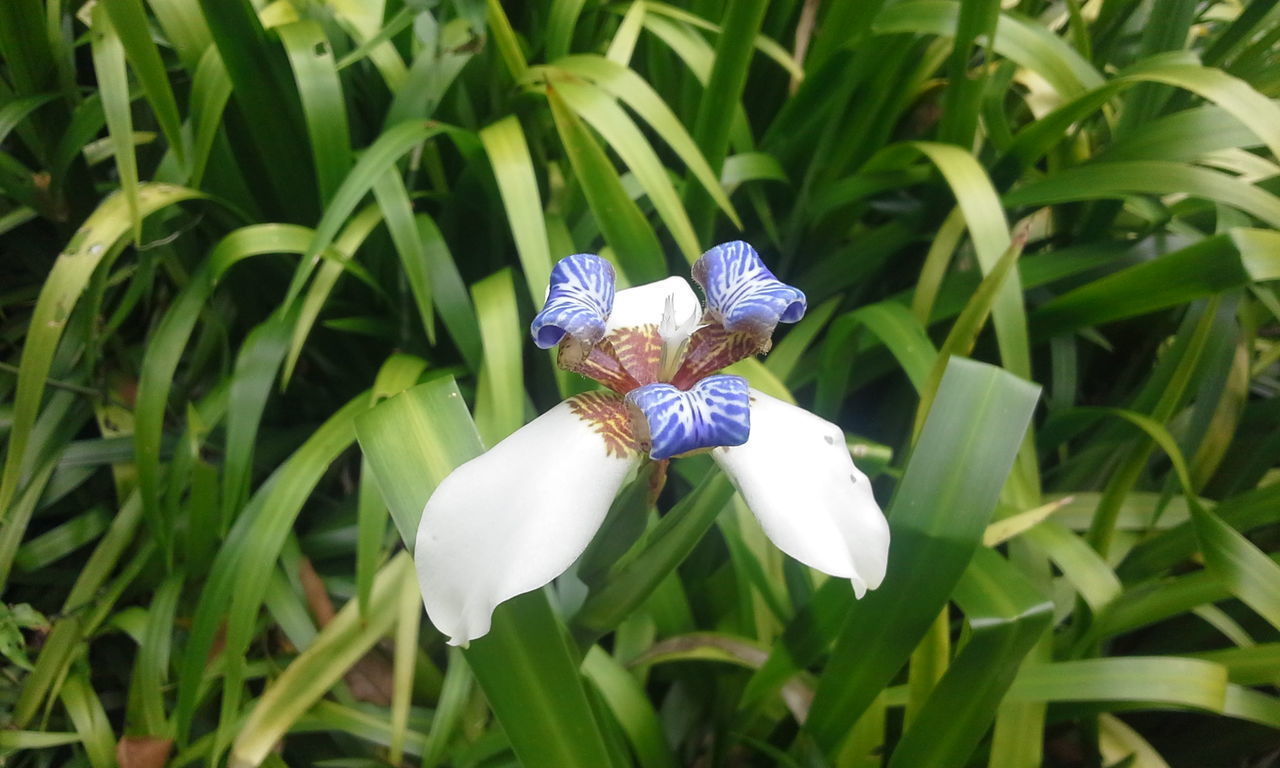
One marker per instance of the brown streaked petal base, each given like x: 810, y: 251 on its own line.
x: 712, y: 349
x: 610, y: 418
x: 639, y: 350
x: 599, y: 364
x: 622, y: 361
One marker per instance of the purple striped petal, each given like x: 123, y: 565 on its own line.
x: 578, y: 301
x: 742, y: 293
x: 713, y: 412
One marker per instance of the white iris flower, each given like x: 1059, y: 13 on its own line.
x: 518, y: 516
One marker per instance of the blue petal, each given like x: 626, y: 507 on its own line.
x: 578, y: 302
x: 713, y: 412
x: 743, y: 293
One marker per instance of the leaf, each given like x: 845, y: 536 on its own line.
x: 129, y: 21
x: 1213, y: 265
x: 397, y: 212
x: 669, y: 543
x: 1030, y: 45
x: 500, y: 389
x: 1006, y: 615
x: 370, y: 169
x: 1151, y: 680
x: 113, y: 82
x: 624, y: 227
x: 513, y: 168
x: 630, y: 705
x: 937, y: 516
x: 625, y: 84
x: 90, y: 720
x: 341, y: 644
x: 323, y: 107
x: 96, y: 243
x: 1153, y: 177
x: 724, y: 89
x: 621, y: 133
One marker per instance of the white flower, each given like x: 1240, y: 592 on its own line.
x: 513, y: 519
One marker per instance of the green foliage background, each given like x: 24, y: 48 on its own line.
x: 267, y: 274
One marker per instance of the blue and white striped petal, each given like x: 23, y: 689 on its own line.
x: 742, y: 293
x: 578, y: 303
x: 713, y: 412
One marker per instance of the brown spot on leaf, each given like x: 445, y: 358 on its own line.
x: 143, y: 751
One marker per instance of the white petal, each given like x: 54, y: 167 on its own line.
x: 514, y: 518
x: 644, y: 304
x: 796, y: 475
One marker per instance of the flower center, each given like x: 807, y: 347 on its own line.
x: 659, y: 348
x: 678, y: 350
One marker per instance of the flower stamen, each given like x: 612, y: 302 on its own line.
x: 675, y: 336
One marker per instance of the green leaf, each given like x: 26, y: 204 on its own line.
x: 982, y: 211
x: 1006, y: 615
x: 450, y: 710
x: 171, y: 335
x: 419, y: 416
x: 450, y: 294
x: 1086, y: 571
x: 323, y: 107
x: 1237, y: 563
x: 664, y: 548
x: 397, y: 212
x: 210, y: 90
x: 1030, y: 45
x: 129, y: 21
x: 625, y: 84
x: 95, y: 244
x: 345, y: 246
x: 724, y: 89
x: 342, y: 642
x: 90, y: 721
x: 1153, y: 680
x: 513, y: 168
x: 630, y: 705
x: 113, y: 82
x: 152, y: 669
x: 619, y: 218
x: 964, y: 332
x: 1213, y: 265
x: 1151, y: 177
x: 612, y: 122
x: 1254, y: 665
x: 1257, y: 112
x: 500, y: 391
x: 937, y: 516
x: 560, y: 24
x: 505, y: 40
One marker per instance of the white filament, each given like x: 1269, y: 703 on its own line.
x: 675, y: 335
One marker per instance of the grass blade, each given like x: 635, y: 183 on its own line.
x: 937, y: 516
